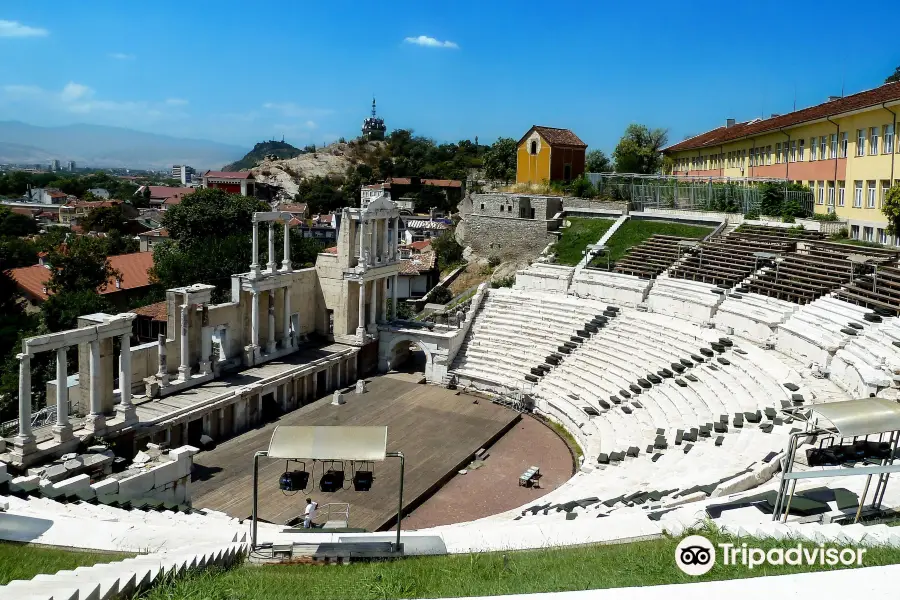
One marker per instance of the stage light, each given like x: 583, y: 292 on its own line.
x: 332, y: 480
x: 293, y: 481
x: 362, y: 481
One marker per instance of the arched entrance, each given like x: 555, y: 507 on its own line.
x: 408, y: 355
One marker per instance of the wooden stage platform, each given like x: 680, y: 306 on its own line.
x: 435, y: 429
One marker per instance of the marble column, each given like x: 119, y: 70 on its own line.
x: 125, y: 405
x: 385, y: 256
x: 286, y: 263
x: 254, y: 319
x: 361, y: 330
x: 270, y: 342
x: 382, y: 313
x: 24, y: 441
x: 394, y: 284
x: 163, y: 373
x: 184, y: 370
x: 62, y: 431
x: 96, y: 420
x: 206, y: 360
x: 396, y: 244
x: 254, y: 266
x: 286, y: 341
x: 374, y: 247
x: 270, y: 265
x: 373, y: 302
x: 361, y: 229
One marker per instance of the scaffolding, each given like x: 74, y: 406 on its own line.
x: 718, y: 194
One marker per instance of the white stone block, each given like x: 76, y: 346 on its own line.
x: 166, y: 473
x: 136, y: 486
x: 25, y: 483
x: 106, y: 487
x: 4, y: 475
x: 73, y: 485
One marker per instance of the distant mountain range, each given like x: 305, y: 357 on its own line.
x: 101, y: 146
x: 281, y: 150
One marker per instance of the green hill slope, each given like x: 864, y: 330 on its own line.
x: 260, y: 151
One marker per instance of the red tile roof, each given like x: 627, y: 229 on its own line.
x: 156, y: 311
x: 451, y: 183
x: 292, y: 208
x: 24, y: 211
x: 229, y: 174
x: 555, y: 136
x: 869, y: 98
x: 294, y: 222
x: 92, y: 204
x: 134, y: 268
x: 161, y: 232
x: 325, y: 218
x: 420, y: 245
x: 57, y: 194
x: 418, y: 263
x: 162, y: 192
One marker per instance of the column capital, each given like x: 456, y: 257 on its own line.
x: 24, y: 356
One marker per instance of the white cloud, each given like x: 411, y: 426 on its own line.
x: 75, y: 91
x: 17, y: 30
x: 289, y: 109
x: 19, y: 91
x: 121, y: 56
x: 430, y: 42
x: 176, y: 102
x: 311, y: 124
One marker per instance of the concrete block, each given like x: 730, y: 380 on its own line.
x: 26, y: 483
x: 338, y: 398
x: 4, y: 475
x: 166, y: 472
x: 136, y: 486
x: 79, y: 483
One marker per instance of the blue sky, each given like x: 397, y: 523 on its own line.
x: 240, y: 72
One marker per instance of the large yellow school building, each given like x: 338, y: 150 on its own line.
x: 846, y: 151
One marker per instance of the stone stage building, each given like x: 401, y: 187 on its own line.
x: 284, y: 338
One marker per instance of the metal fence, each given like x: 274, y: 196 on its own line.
x: 697, y: 193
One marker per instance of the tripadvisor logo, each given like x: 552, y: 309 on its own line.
x: 695, y: 555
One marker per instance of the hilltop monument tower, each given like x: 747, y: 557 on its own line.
x: 373, y: 127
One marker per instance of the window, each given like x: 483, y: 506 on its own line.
x: 882, y: 236
x: 889, y: 138
x: 871, y: 195
x: 844, y: 142
x: 822, y: 147
x: 860, y: 142
x: 784, y: 152
x: 831, y: 195
x: 534, y: 146
x: 854, y: 232
x: 857, y: 194
x: 833, y: 146
x: 482, y: 206
x: 868, y: 234
x: 821, y: 190
x: 778, y: 153
x: 885, y: 186
x: 812, y: 149
x: 768, y: 155
x: 873, y: 141
x: 794, y: 151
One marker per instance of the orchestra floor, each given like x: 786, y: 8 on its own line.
x: 436, y: 429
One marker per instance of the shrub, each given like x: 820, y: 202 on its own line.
x: 493, y: 261
x: 582, y: 188
x: 504, y: 282
x: 752, y: 215
x: 440, y: 295
x: 825, y: 216
x: 891, y: 209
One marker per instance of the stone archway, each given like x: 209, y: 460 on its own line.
x: 396, y: 351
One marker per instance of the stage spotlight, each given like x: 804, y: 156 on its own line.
x: 362, y: 481
x: 332, y: 480
x: 293, y: 481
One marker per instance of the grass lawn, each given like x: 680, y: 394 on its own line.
x: 577, y: 236
x: 632, y: 233
x: 19, y: 561
x: 851, y: 242
x: 610, y: 566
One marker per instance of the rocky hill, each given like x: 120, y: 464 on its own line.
x: 329, y: 161
x: 259, y: 153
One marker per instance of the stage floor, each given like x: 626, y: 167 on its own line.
x: 434, y: 428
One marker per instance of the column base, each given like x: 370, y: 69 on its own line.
x: 62, y: 433
x: 205, y: 367
x: 251, y: 355
x: 184, y: 373
x: 127, y: 412
x: 361, y: 333
x: 95, y: 423
x: 270, y: 347
x: 288, y: 342
x: 24, y: 444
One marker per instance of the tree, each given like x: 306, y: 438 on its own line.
x: 210, y: 213
x: 105, y: 219
x: 500, y: 160
x: 582, y: 188
x: 80, y: 264
x: 596, y: 161
x: 17, y: 252
x: 440, y: 295
x: 14, y: 224
x: 431, y: 196
x: 891, y: 209
x: 61, y: 310
x: 323, y: 194
x: 447, y: 248
x: 895, y: 76
x: 639, y: 150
